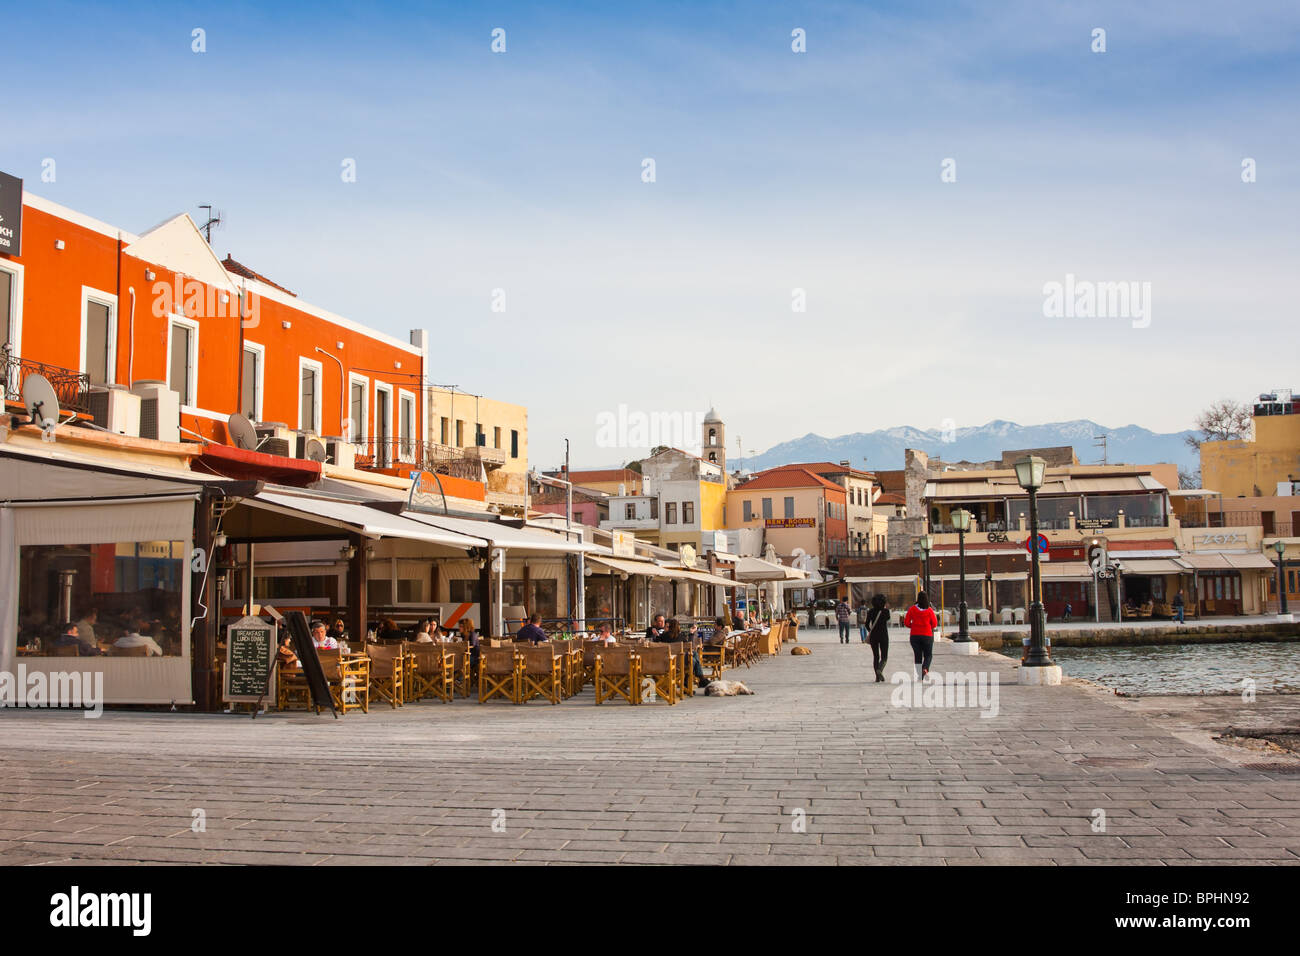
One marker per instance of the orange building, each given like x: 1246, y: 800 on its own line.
x: 126, y: 309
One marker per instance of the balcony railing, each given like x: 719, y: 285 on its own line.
x: 417, y: 455
x: 72, y: 388
x: 1222, y: 519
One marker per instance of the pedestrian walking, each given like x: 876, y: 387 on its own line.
x: 878, y: 632
x: 863, y: 612
x: 1178, y: 607
x: 920, y: 621
x: 843, y: 613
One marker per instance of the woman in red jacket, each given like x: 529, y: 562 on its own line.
x: 921, y: 621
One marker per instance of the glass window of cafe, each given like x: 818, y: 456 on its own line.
x: 1053, y: 513
x: 125, y: 598
x: 1139, y: 510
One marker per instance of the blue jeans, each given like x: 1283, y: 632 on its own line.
x: 862, y: 629
x: 844, y: 631
x: 1178, y: 614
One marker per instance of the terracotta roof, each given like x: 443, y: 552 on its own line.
x: 893, y: 480
x: 822, y: 467
x: 889, y: 498
x: 788, y: 477
x: 239, y: 269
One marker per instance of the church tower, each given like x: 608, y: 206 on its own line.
x: 713, y: 440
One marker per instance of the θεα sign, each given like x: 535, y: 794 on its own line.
x: 11, y: 215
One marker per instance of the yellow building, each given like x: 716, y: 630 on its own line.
x: 1253, y: 468
x: 495, y: 432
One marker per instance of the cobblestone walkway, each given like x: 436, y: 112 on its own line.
x: 817, y: 767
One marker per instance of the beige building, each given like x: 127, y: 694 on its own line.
x: 1256, y: 467
x: 495, y: 433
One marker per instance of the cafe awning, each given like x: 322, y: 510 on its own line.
x: 502, y: 535
x: 355, y: 517
x: 645, y: 568
x: 1206, y: 561
x: 756, y: 569
x: 1157, y: 566
x: 1252, y: 561
x: 704, y: 577
x: 883, y: 579
x: 1066, y: 571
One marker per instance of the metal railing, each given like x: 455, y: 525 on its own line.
x: 1222, y: 519
x: 417, y: 455
x: 72, y: 388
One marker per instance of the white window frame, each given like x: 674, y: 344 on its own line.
x: 319, y: 369
x: 15, y: 269
x: 261, y: 374
x: 100, y: 297
x: 188, y: 402
x: 384, y: 387
x: 364, y: 381
x: 407, y: 398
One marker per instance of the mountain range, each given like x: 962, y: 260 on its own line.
x: 883, y: 449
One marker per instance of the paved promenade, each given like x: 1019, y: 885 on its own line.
x: 817, y: 767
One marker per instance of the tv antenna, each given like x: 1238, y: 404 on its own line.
x: 212, y: 223
x: 1099, y: 441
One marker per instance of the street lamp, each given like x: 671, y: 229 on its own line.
x: 961, y: 519
x: 1280, y: 548
x: 1029, y: 474
x: 927, y: 545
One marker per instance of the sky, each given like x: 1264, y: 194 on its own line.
x: 853, y: 237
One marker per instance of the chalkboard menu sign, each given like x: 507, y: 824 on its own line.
x: 250, y: 649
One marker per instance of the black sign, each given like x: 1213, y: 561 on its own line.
x: 250, y: 647
x: 1093, y: 524
x: 310, y: 660
x: 11, y: 215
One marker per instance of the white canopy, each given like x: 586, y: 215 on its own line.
x: 756, y: 569
x: 502, y: 535
x: 357, y: 517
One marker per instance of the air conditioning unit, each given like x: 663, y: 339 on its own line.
x: 116, y: 408
x: 160, y: 411
x: 340, y: 452
x: 299, y: 444
x: 274, y: 430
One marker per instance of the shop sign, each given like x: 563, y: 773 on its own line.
x: 790, y: 522
x: 1094, y: 524
x: 1218, y: 540
x: 426, y: 494
x: 11, y: 215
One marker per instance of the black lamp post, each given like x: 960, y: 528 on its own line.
x: 961, y: 519
x: 1280, y: 548
x: 927, y: 545
x: 1029, y: 473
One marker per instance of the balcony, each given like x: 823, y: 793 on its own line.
x: 385, y: 453
x: 630, y: 524
x: 1223, y: 519
x: 72, y: 388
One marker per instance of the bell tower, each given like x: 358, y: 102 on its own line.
x: 713, y: 440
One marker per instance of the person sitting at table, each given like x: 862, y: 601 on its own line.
x: 721, y: 631
x: 142, y: 638
x: 86, y: 633
x: 284, y: 653
x: 321, y: 638
x: 671, y: 634
x: 656, y: 629
x: 422, y: 635
x: 338, y: 630
x: 466, y: 632
x: 606, y: 634
x: 68, y: 637
x: 532, y: 631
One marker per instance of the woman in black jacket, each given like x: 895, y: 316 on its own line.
x: 878, y: 634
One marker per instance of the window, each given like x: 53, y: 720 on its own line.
x: 410, y: 591
x: 460, y: 433
x: 383, y: 425
x: 496, y: 436
x: 480, y: 439
x: 747, y: 507
x: 713, y: 457
x: 309, y: 395
x: 406, y: 425
x: 514, y: 443
x: 767, y: 508
x: 379, y: 591
x: 789, y: 506
x: 713, y: 439
x: 358, y: 410
x: 183, y: 359
x: 654, y: 508
x: 444, y: 432
x: 465, y: 591
x: 670, y: 512
x: 98, y: 335
x: 135, y: 587
x: 7, y: 331
x: 629, y: 512
x: 688, y: 512
x: 251, y: 382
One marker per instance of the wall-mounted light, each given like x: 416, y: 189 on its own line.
x: 397, y: 365
x: 225, y: 297
x: 148, y: 275
x: 219, y: 541
x: 338, y: 345
x: 58, y: 244
x: 286, y: 325
x: 348, y: 551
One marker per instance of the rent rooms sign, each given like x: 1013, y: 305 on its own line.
x: 11, y: 215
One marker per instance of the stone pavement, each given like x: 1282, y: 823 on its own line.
x: 817, y: 767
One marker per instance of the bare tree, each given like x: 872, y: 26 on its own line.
x: 1189, y: 479
x: 1225, y: 420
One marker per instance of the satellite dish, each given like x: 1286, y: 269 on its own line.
x: 316, y: 450
x: 241, y: 432
x: 41, y: 401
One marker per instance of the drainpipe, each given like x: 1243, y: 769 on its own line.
x: 343, y: 397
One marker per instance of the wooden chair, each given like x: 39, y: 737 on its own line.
x: 291, y: 691
x: 589, y: 651
x: 498, y: 674
x: 616, y: 674
x: 70, y: 650
x: 115, y: 652
x: 542, y: 673
x: 387, y: 667
x: 713, y: 658
x: 349, y: 681
x: 434, y: 674
x: 462, y: 679
x: 683, y: 654
x: 657, y: 673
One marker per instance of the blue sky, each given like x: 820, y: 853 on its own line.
x: 774, y: 171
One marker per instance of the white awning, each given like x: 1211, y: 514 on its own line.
x: 1144, y: 555
x: 645, y: 568
x: 1066, y: 570
x: 503, y: 535
x: 1251, y: 562
x: 704, y: 577
x: 1206, y: 561
x: 1152, y: 566
x: 359, y: 518
x: 756, y: 569
x: 882, y: 579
